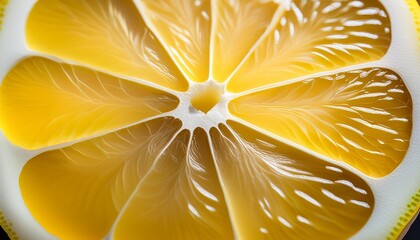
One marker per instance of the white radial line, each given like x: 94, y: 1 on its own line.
x: 140, y: 7
x: 276, y: 17
x: 222, y: 185
x: 308, y: 198
x: 193, y: 184
x: 284, y: 171
x: 375, y: 64
x: 67, y: 144
x: 301, y: 148
x: 360, y: 203
x: 120, y: 76
x: 189, y: 180
x: 140, y: 183
x: 213, y: 7
x: 332, y: 196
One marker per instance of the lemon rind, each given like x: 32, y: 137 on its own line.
x: 3, y: 4
x: 7, y: 227
x: 414, y: 8
x: 414, y: 205
x: 411, y: 210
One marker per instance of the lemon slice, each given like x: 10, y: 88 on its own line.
x: 209, y: 119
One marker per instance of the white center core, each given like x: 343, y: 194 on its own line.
x: 204, y: 105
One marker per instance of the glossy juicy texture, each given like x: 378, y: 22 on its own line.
x: 64, y: 103
x: 360, y: 117
x: 113, y: 75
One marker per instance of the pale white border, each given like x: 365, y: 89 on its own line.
x: 392, y: 193
x: 12, y: 159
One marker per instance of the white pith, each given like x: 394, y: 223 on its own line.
x: 391, y: 192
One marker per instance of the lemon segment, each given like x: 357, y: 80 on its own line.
x: 277, y: 192
x: 180, y: 198
x: 209, y: 119
x: 77, y: 192
x: 316, y: 36
x: 361, y: 117
x: 109, y: 35
x: 44, y: 103
x: 237, y: 27
x: 184, y: 28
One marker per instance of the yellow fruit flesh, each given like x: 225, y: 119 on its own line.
x: 44, y: 103
x: 363, y: 117
x: 205, y: 98
x: 150, y: 180
x: 184, y: 27
x: 83, y: 187
x: 107, y: 35
x: 180, y: 198
x: 236, y: 36
x: 316, y: 36
x: 277, y: 192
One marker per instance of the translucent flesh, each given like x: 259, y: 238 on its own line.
x: 277, y: 192
x: 184, y: 27
x: 363, y: 117
x: 180, y: 198
x: 154, y: 181
x: 44, y: 103
x: 77, y: 192
x: 238, y: 26
x: 206, y: 98
x: 315, y: 36
x: 109, y: 35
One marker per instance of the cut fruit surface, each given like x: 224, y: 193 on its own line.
x: 184, y: 27
x: 239, y: 25
x: 209, y: 119
x: 315, y: 36
x: 67, y: 103
x: 277, y: 192
x: 109, y: 35
x: 205, y: 97
x: 180, y: 198
x: 99, y: 176
x: 361, y: 117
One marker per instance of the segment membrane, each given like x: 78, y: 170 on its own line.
x: 184, y: 27
x: 106, y: 34
x: 315, y: 36
x: 45, y: 103
x: 180, y: 198
x: 362, y: 117
x: 238, y: 26
x: 76, y: 192
x: 274, y: 191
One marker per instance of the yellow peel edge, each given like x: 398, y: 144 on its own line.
x: 414, y: 7
x: 3, y: 4
x: 7, y: 227
x: 412, y: 208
